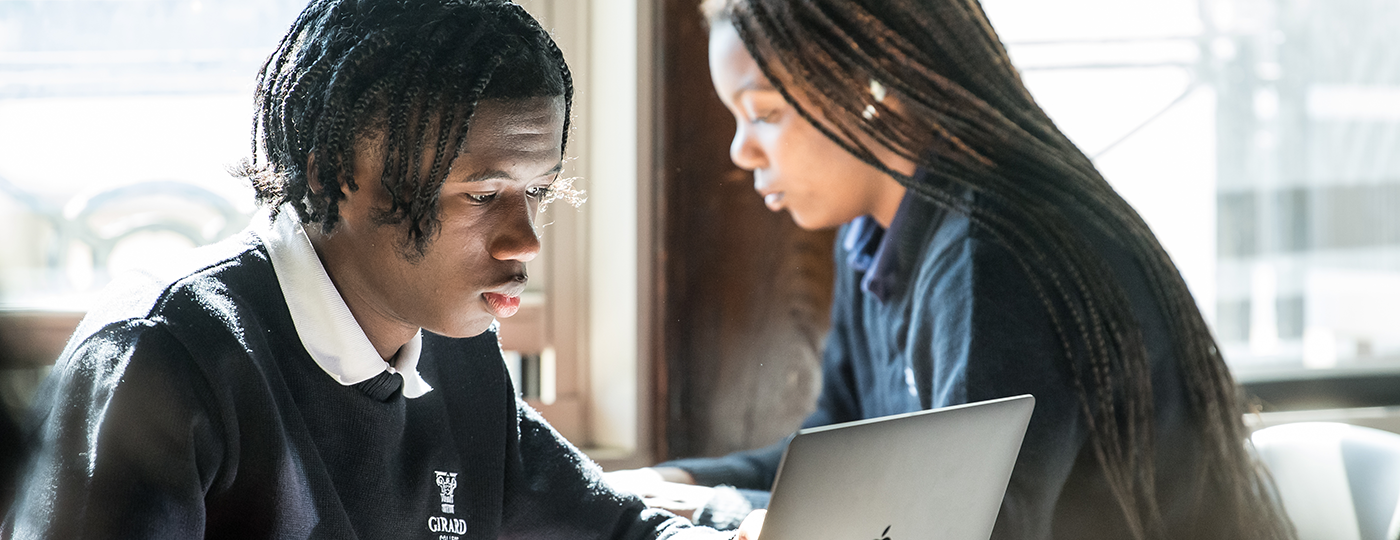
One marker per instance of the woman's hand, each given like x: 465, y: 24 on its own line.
x: 666, y: 488
x: 647, y: 476
x: 752, y: 525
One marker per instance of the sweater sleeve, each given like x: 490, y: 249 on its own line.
x: 124, y: 448
x: 990, y: 336
x: 838, y: 402
x: 554, y: 491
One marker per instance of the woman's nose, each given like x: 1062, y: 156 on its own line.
x: 744, y: 150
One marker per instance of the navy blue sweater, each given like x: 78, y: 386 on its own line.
x: 936, y: 313
x: 188, y: 408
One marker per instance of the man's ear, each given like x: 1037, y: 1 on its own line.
x: 313, y: 182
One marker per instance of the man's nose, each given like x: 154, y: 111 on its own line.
x: 516, y: 239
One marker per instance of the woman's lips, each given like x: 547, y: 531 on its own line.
x: 502, y: 305
x: 774, y: 201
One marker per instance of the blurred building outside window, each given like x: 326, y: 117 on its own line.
x: 117, y: 121
x: 1260, y: 139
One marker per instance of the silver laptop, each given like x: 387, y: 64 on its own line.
x: 936, y: 474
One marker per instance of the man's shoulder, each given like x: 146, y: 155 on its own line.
x: 196, y: 283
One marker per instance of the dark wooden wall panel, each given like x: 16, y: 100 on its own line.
x: 742, y: 292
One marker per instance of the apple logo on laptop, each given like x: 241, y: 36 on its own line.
x: 886, y: 534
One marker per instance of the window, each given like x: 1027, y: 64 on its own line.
x: 118, y: 120
x: 1261, y: 141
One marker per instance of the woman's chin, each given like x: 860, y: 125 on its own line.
x: 808, y: 222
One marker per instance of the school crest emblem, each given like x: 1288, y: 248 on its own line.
x: 447, y: 485
x: 447, y: 527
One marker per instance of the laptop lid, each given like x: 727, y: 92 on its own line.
x: 936, y: 474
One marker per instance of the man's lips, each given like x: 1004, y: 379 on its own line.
x: 504, y: 300
x: 502, y: 305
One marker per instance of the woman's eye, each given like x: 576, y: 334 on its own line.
x: 767, y: 117
x: 481, y: 197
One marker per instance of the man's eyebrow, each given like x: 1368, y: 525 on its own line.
x: 492, y: 174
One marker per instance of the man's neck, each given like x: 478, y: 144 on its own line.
x: 386, y: 333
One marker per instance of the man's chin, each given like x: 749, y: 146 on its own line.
x: 472, y: 327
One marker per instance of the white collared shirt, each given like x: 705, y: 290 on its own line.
x: 323, y: 321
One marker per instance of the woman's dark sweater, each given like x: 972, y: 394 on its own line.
x: 935, y: 312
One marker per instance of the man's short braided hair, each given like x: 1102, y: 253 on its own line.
x: 410, y: 72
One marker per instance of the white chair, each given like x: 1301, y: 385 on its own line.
x: 1337, y: 481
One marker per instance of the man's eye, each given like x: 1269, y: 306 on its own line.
x: 539, y: 192
x: 481, y: 197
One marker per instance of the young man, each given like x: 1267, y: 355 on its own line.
x: 333, y: 372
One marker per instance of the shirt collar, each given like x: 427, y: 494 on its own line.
x: 323, y: 321
x: 876, y: 251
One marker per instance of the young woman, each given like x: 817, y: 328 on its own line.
x: 982, y: 256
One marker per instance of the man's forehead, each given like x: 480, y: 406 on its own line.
x: 518, y: 138
x: 520, y: 117
x: 514, y: 138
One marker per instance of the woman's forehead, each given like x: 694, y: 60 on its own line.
x: 728, y: 54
